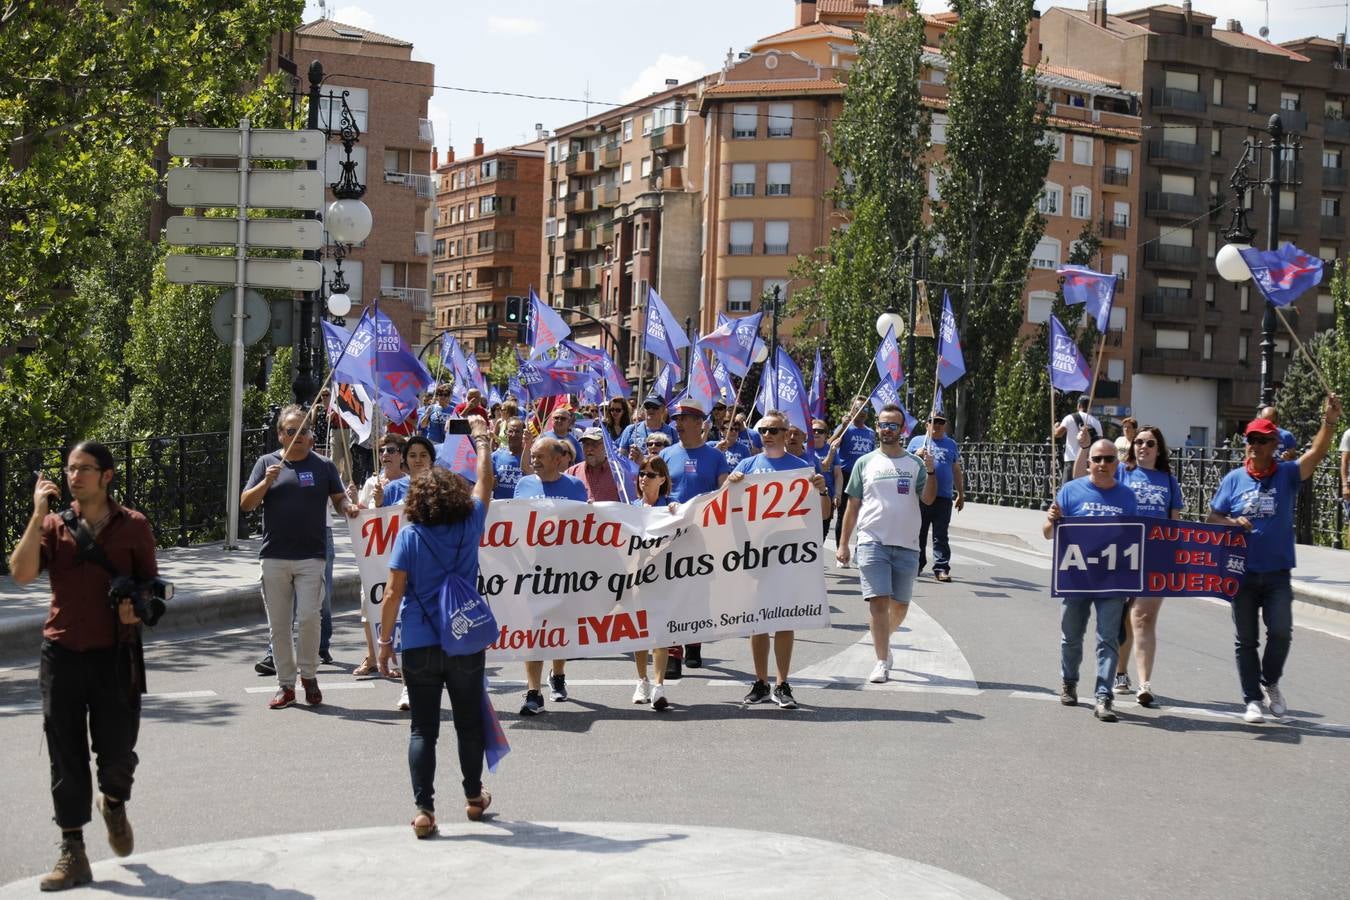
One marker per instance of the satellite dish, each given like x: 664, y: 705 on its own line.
x: 1264, y: 31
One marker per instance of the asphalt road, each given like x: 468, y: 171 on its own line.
x: 966, y: 762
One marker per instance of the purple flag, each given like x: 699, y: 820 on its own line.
x: 453, y: 358
x: 885, y: 392
x: 475, y: 374
x: 517, y: 390
x: 726, y: 391
x: 582, y: 353
x: 817, y: 399
x: 701, y: 386
x: 457, y: 454
x: 664, y: 386
x: 1096, y: 289
x: 377, y: 358
x: 735, y: 341
x: 495, y: 745
x: 1068, y: 370
x: 663, y: 337
x: 547, y: 329
x: 888, y: 359
x: 494, y: 396
x: 951, y: 361
x: 615, y: 383
x: 621, y: 467
x: 937, y: 400
x: 1282, y: 275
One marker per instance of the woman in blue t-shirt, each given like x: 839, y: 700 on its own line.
x: 443, y: 524
x: 653, y: 490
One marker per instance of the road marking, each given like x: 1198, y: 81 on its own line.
x: 181, y: 695
x: 327, y: 686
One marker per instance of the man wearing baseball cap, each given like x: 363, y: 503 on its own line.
x: 594, y: 470
x: 1259, y: 496
x: 950, y: 493
x: 634, y: 437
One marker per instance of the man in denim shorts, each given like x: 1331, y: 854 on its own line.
x: 884, y: 492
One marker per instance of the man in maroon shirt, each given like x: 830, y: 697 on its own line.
x: 594, y: 470
x: 89, y: 670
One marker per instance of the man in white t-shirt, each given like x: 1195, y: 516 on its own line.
x: 1067, y: 430
x: 884, y: 492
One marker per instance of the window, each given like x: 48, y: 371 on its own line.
x: 627, y: 127
x: 1331, y: 159
x: 939, y: 129
x: 1178, y: 184
x: 1244, y: 298
x: 627, y: 172
x: 1251, y: 96
x: 646, y: 125
x: 1172, y: 339
x: 1082, y: 151
x: 1289, y: 100
x: 1080, y: 203
x: 780, y: 120
x: 1051, y: 202
x: 1124, y: 160
x: 1288, y: 200
x: 1331, y: 206
x: 645, y: 236
x: 1215, y: 143
x: 646, y: 169
x: 1120, y: 265
x: 330, y: 113
x: 332, y: 162
x: 738, y: 295
x: 1244, y: 338
x: 1115, y: 369
x: 743, y: 180
x: 1183, y: 81
x: 1333, y: 110
x: 1180, y: 134
x: 778, y: 179
x: 742, y: 239
x: 1177, y: 237
x: 780, y: 283
x: 1120, y: 213
x: 487, y: 169
x: 1056, y: 140
x: 1046, y: 254
x: 1039, y: 305
x: 1209, y: 293
x: 1216, y: 92
x: 351, y: 270
x: 744, y: 121
x: 1117, y: 320
x: 440, y: 247
x: 1327, y: 255
x: 1212, y: 244
x: 1282, y: 346
x: 776, y: 238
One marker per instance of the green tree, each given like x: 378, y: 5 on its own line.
x: 878, y: 144
x: 989, y: 178
x: 503, y: 365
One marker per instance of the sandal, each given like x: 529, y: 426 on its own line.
x: 367, y: 668
x: 474, y: 807
x: 429, y: 828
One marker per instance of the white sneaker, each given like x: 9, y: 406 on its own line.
x: 880, y: 673
x: 1275, y: 701
x: 643, y: 692
x: 1253, y: 714
x: 403, y: 704
x: 659, y: 701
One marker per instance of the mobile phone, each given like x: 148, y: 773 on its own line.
x: 38, y: 476
x: 457, y: 426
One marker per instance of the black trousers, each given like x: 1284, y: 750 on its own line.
x: 427, y: 671
x: 87, y: 700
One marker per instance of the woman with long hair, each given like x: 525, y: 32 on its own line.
x: 616, y: 417
x: 653, y: 490
x: 442, y: 524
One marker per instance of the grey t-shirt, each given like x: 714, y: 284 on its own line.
x: 294, y: 508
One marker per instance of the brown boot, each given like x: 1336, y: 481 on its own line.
x: 120, y: 838
x: 71, y: 869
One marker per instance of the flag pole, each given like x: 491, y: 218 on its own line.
x: 852, y: 408
x: 375, y: 416
x: 1279, y: 311
x: 1054, y: 471
x: 1096, y: 367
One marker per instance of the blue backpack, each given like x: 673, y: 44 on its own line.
x: 465, y: 623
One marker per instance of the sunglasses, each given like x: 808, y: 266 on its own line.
x: 1259, y: 439
x: 292, y: 432
x: 819, y: 431
x: 387, y: 450
x: 1144, y: 442
x: 1103, y: 460
x: 771, y: 430
x: 649, y: 475
x: 888, y: 426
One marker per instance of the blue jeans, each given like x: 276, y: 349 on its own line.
x: 325, y: 611
x: 1072, y: 626
x: 426, y: 672
x: 938, y: 515
x: 1269, y: 595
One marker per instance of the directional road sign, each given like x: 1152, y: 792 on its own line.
x: 292, y: 234
x: 267, y: 188
x: 257, y: 316
x: 263, y: 143
x: 283, y: 274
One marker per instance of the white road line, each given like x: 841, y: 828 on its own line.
x: 20, y: 708
x: 326, y: 686
x: 181, y: 695
x: 1002, y: 551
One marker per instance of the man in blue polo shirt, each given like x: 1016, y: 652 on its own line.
x: 633, y: 440
x: 950, y: 494
x: 695, y: 467
x: 506, y: 466
x: 858, y: 441
x: 1260, y: 496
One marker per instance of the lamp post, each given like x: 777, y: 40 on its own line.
x: 1228, y: 261
x: 773, y: 305
x: 347, y: 219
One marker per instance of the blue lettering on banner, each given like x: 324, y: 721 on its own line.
x: 1141, y: 556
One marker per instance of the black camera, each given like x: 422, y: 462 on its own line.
x: 147, y: 597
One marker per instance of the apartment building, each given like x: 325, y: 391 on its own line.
x: 1203, y: 90
x: 488, y: 222
x: 387, y: 92
x: 622, y: 196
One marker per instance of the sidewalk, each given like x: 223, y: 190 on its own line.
x: 214, y: 585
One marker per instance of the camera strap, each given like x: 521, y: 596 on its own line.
x: 84, y: 540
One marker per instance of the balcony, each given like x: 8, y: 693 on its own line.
x: 1333, y: 225
x: 740, y: 249
x: 1337, y: 128
x: 1115, y: 229
x: 668, y: 137
x: 1294, y: 120
x: 1108, y: 390
x: 775, y: 249
x: 1326, y: 321
x: 1289, y: 220
x: 1169, y: 255
x: 1184, y: 205
x: 604, y: 234
x: 606, y: 196
x: 610, y: 156
x: 578, y: 279
x: 417, y: 298
x: 1114, y: 176
x: 421, y: 243
x: 672, y: 178
x: 1175, y: 151
x: 1180, y: 362
x: 1333, y: 177
x: 581, y: 239
x: 1177, y: 99
x: 1170, y: 303
x: 581, y: 163
x: 423, y: 185
x: 426, y: 133
x: 579, y: 202
x: 553, y: 207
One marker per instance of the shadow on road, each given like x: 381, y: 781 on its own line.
x: 580, y: 716
x: 548, y: 837
x: 153, y: 884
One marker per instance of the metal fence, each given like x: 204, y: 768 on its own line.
x: 178, y: 482
x: 1022, y: 474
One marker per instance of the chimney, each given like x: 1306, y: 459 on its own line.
x: 1097, y: 12
x: 1186, y: 14
x: 449, y: 155
x: 1340, y: 49
x: 1235, y: 26
x: 540, y: 132
x: 477, y: 146
x: 1031, y: 51
x: 806, y: 12
x: 435, y: 163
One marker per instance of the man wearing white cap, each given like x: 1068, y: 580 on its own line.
x: 594, y: 470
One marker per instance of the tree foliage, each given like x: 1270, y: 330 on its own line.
x: 993, y: 169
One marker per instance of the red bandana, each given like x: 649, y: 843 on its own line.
x: 1260, y: 475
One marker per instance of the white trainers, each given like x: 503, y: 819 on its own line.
x: 1275, y: 700
x: 643, y: 692
x: 403, y: 704
x: 880, y: 673
x: 659, y: 701
x: 1253, y: 715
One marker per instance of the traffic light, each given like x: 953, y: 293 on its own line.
x: 513, y: 305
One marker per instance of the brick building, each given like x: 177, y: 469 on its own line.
x: 488, y: 222
x: 388, y: 93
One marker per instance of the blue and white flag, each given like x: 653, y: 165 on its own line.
x: 664, y: 386
x: 494, y: 396
x: 735, y: 341
x: 663, y: 337
x: 792, y: 396
x: 1068, y: 370
x: 887, y: 393
x: 615, y: 384
x: 377, y: 358
x: 1095, y: 289
x: 888, y: 359
x: 951, y: 361
x: 1282, y: 275
x: 817, y: 398
x: 701, y: 385
x: 547, y: 329
x: 726, y: 391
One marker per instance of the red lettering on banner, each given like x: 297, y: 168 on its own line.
x: 1156, y: 581
x: 715, y: 511
x: 498, y: 534
x: 613, y: 627
x: 379, y: 534
x: 541, y: 531
x: 1195, y: 558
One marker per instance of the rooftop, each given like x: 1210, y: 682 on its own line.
x: 327, y: 28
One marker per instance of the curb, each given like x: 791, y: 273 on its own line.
x: 1017, y: 542
x: 22, y: 635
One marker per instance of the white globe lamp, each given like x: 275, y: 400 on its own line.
x: 348, y: 221
x: 761, y: 352
x: 339, y: 305
x: 1230, y: 264
x: 890, y: 320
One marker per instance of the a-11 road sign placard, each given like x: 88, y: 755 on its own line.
x: 282, y: 274
x: 285, y: 234
x: 263, y: 143
x: 267, y: 188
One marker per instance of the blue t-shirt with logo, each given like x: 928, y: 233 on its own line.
x: 857, y: 443
x: 818, y: 455
x: 1081, y: 497
x: 396, y: 490
x: 425, y: 553
x: 761, y: 462
x: 1269, y: 504
x: 946, y: 454
x: 435, y: 430
x: 506, y: 468
x: 564, y: 488
x: 1155, y: 493
x: 694, y: 472
x: 295, y: 515
x: 638, y: 432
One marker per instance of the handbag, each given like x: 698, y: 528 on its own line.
x: 465, y: 623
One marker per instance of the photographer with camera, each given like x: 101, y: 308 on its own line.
x: 92, y: 671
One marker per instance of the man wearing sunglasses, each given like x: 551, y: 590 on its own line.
x: 1098, y: 494
x: 506, y: 462
x: 1259, y: 496
x: 773, y: 428
x: 433, y: 419
x: 293, y: 485
x: 951, y: 494
x: 634, y: 437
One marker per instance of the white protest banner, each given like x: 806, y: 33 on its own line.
x: 568, y: 579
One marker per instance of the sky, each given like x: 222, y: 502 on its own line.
x: 616, y: 51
